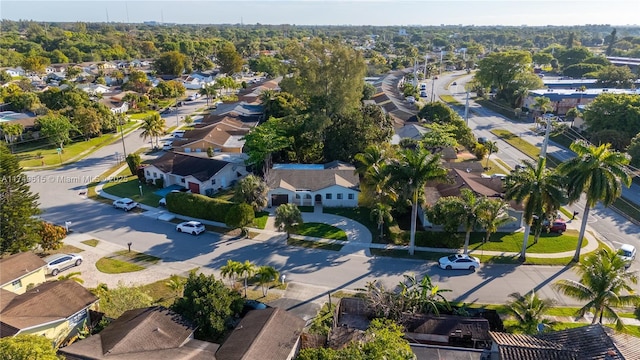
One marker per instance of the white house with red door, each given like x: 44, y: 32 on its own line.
x: 200, y: 174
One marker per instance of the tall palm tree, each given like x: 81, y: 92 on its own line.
x: 539, y: 189
x: 208, y: 91
x: 542, y: 104
x: 266, y: 99
x: 246, y: 269
x: 152, y: 127
x: 176, y: 284
x: 370, y: 160
x: 231, y: 271
x: 288, y: 216
x: 520, y: 94
x: 410, y: 174
x: 528, y: 310
x: 381, y: 213
x: 492, y: 148
x: 493, y: 213
x: 599, y: 173
x: 266, y: 275
x: 603, y: 284
x: 468, y: 214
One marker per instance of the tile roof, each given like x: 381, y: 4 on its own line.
x: 263, y: 334
x: 153, y: 333
x: 18, y: 265
x: 306, y: 179
x: 452, y: 326
x: 51, y: 301
x: 184, y: 165
x: 587, y: 342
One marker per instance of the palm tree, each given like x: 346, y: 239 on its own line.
x: 152, y: 127
x: 266, y: 99
x: 370, y: 160
x: 540, y: 191
x: 528, y: 310
x: 468, y: 212
x: 422, y: 297
x: 208, y: 91
x: 410, y: 175
x: 176, y: 284
x: 253, y: 191
x: 265, y: 275
x: 493, y: 213
x: 520, y: 94
x: 603, y: 279
x: 599, y: 172
x: 542, y: 104
x: 246, y: 269
x: 381, y: 213
x: 75, y: 276
x: 231, y: 271
x: 288, y: 216
x: 492, y: 148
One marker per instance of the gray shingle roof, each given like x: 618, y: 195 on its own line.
x: 18, y: 265
x: 184, y: 165
x: 334, y: 173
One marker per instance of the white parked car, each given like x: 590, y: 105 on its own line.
x: 59, y: 262
x: 125, y: 204
x: 627, y: 253
x: 191, y: 227
x: 459, y: 261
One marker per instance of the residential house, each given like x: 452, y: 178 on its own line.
x: 56, y: 68
x: 272, y: 334
x: 20, y: 271
x: 226, y: 135
x: 197, y: 80
x: 593, y: 342
x: 564, y: 99
x: 449, y: 330
x: 153, y: 333
x: 115, y: 102
x: 409, y: 131
x: 332, y: 184
x: 54, y: 309
x: 240, y: 109
x: 14, y: 72
x: 469, y: 175
x: 94, y: 89
x: 199, y: 174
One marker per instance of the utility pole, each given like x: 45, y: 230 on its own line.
x: 177, y: 118
x: 466, y: 110
x: 124, y: 149
x: 543, y: 151
x: 433, y: 88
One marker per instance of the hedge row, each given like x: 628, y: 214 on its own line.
x: 198, y: 206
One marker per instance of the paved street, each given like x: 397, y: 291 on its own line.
x: 61, y: 201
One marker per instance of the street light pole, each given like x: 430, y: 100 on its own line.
x: 543, y: 151
x: 433, y: 87
x: 177, y: 118
x: 466, y: 110
x: 124, y: 149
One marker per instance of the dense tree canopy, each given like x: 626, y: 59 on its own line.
x: 499, y: 69
x: 619, y: 112
x: 171, y: 63
x: 27, y: 347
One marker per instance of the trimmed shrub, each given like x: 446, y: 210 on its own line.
x: 198, y: 206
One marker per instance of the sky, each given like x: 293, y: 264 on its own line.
x: 331, y: 12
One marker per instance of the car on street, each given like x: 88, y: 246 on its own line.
x: 628, y: 253
x: 423, y: 86
x: 60, y: 262
x: 558, y: 226
x: 125, y: 204
x: 191, y: 227
x: 178, y: 133
x: 482, y: 140
x: 423, y: 93
x: 411, y: 99
x: 454, y: 83
x: 460, y: 262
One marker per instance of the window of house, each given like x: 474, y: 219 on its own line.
x: 350, y: 196
x: 17, y: 284
x: 328, y: 196
x: 182, y: 180
x: 339, y: 196
x: 298, y: 196
x: 307, y: 196
x: 148, y: 174
x: 155, y: 174
x: 213, y: 181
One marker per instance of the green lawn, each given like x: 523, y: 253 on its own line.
x: 320, y: 230
x: 137, y: 256
x: 512, y: 242
x: 359, y: 214
x: 142, y: 115
x: 528, y: 149
x: 125, y: 185
x: 91, y: 242
x: 115, y: 266
x: 260, y: 220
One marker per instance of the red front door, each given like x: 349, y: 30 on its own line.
x: 195, y: 188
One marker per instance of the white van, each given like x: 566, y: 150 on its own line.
x: 178, y: 133
x: 627, y: 253
x: 423, y: 86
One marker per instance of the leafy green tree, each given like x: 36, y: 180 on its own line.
x: 265, y: 276
x: 326, y: 75
x: 409, y: 175
x: 597, y: 172
x: 617, y: 139
x: 51, y: 236
x: 210, y: 305
x: 228, y: 58
x: 27, y: 347
x: 264, y: 140
x: 619, y: 112
x: 575, y: 55
x: 288, y: 216
x: 176, y: 284
x: 492, y: 214
x: 439, y: 137
x: 21, y: 101
x: 436, y: 112
x: 134, y: 161
x: 528, y: 311
x: 35, y: 63
x: 368, y: 91
x: 499, y: 69
x: 239, y: 216
x: 11, y: 132
x: 581, y: 70
x: 18, y: 206
x: 542, y: 58
x: 619, y: 77
x: 604, y: 284
x: 56, y: 128
x: 208, y: 91
x: 170, y: 63
x: 268, y: 64
x: 456, y: 211
x: 634, y: 151
x: 611, y: 42
x: 252, y: 190
x: 114, y: 302
x: 87, y: 121
x: 539, y: 189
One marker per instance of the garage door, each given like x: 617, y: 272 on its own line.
x: 195, y: 188
x: 278, y: 199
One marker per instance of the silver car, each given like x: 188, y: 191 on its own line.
x: 60, y: 262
